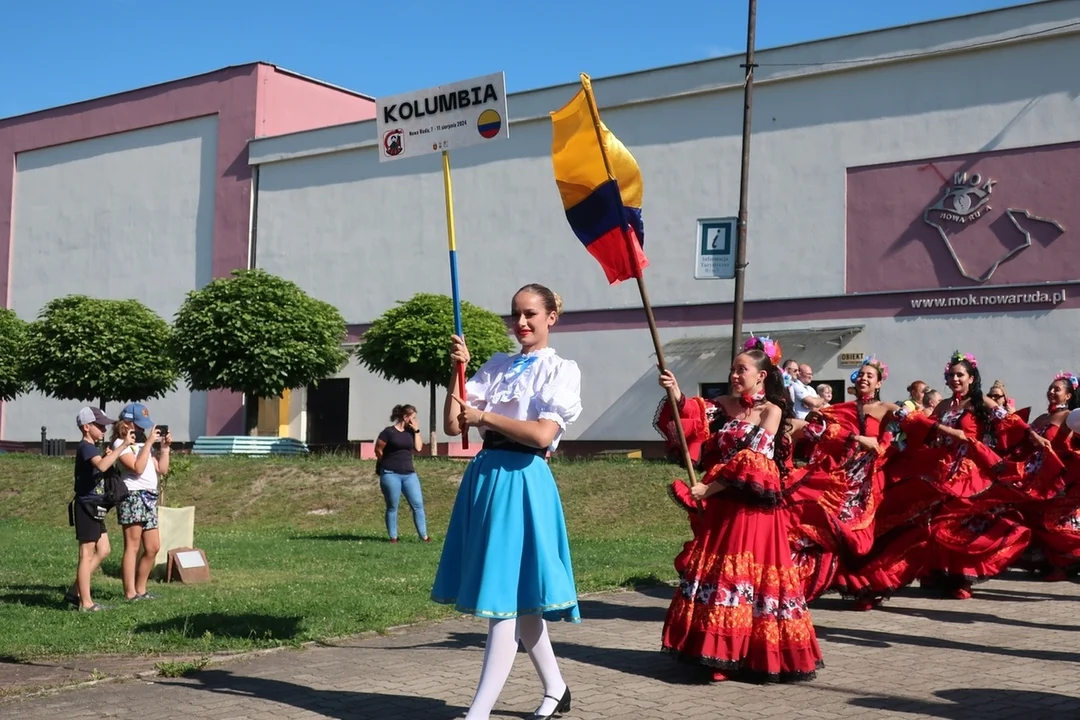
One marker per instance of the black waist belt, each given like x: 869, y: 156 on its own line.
x: 497, y: 441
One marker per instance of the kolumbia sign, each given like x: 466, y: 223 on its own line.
x: 443, y: 118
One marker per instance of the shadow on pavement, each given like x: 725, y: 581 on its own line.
x: 651, y: 664
x: 339, y: 704
x: 601, y: 610
x: 453, y: 641
x: 1000, y: 595
x: 967, y: 618
x: 967, y: 703
x: 880, y: 639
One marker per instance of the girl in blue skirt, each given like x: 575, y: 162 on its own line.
x: 506, y: 556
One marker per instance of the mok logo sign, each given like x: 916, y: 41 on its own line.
x: 963, y: 202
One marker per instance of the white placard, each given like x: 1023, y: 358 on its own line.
x: 190, y: 559
x: 445, y: 117
x: 715, y: 248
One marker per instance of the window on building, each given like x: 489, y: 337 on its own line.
x: 713, y: 390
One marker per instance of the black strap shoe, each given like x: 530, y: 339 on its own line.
x: 563, y: 706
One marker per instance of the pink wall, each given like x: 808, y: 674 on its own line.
x: 288, y: 103
x: 891, y: 247
x: 248, y: 100
x: 229, y: 94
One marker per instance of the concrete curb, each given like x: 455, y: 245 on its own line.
x: 149, y: 675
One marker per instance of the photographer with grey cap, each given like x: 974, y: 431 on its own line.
x: 87, y: 510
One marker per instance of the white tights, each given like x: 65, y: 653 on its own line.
x: 499, y: 655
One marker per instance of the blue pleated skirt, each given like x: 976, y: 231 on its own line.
x: 506, y: 552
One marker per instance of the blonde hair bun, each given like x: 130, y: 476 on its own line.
x: 551, y: 299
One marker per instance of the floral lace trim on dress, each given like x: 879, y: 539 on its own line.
x: 774, y: 614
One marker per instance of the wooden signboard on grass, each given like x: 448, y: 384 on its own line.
x: 188, y: 566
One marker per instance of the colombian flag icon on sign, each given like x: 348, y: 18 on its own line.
x: 489, y: 123
x: 602, y: 211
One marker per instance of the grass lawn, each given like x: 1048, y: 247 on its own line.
x: 297, y: 551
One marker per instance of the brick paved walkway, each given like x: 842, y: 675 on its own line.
x: 1012, y: 652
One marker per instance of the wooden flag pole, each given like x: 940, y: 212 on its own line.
x: 454, y: 289
x: 744, y: 184
x: 688, y: 463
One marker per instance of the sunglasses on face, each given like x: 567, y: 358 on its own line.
x: 996, y: 397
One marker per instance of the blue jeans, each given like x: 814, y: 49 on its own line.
x: 393, y: 485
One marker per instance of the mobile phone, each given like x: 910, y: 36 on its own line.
x: 163, y: 429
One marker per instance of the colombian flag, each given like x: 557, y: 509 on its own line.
x: 600, y: 210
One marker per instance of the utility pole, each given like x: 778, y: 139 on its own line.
x: 744, y: 182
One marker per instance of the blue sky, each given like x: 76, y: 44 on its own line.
x: 56, y: 52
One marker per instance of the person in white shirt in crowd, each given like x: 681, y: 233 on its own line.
x: 804, y: 395
x: 791, y: 374
x: 138, y: 512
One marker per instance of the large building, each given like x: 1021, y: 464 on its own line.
x: 911, y: 192
x: 147, y: 195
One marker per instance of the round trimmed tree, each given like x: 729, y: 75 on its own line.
x: 410, y: 342
x: 88, y: 349
x: 12, y: 351
x: 257, y: 334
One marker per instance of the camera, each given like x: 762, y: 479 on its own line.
x: 140, y: 434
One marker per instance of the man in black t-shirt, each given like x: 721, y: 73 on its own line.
x: 87, y: 511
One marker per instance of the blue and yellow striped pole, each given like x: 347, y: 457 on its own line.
x: 454, y: 289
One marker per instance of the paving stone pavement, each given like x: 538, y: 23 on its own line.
x: 1011, y: 652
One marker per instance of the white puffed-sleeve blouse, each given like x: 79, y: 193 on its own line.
x: 536, y: 386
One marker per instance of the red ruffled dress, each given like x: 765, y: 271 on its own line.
x: 695, y: 428
x: 739, y: 607
x: 1055, y: 521
x: 945, y: 516
x: 1030, y: 473
x: 976, y: 537
x: 834, y: 498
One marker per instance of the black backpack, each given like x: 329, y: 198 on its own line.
x: 115, y: 487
